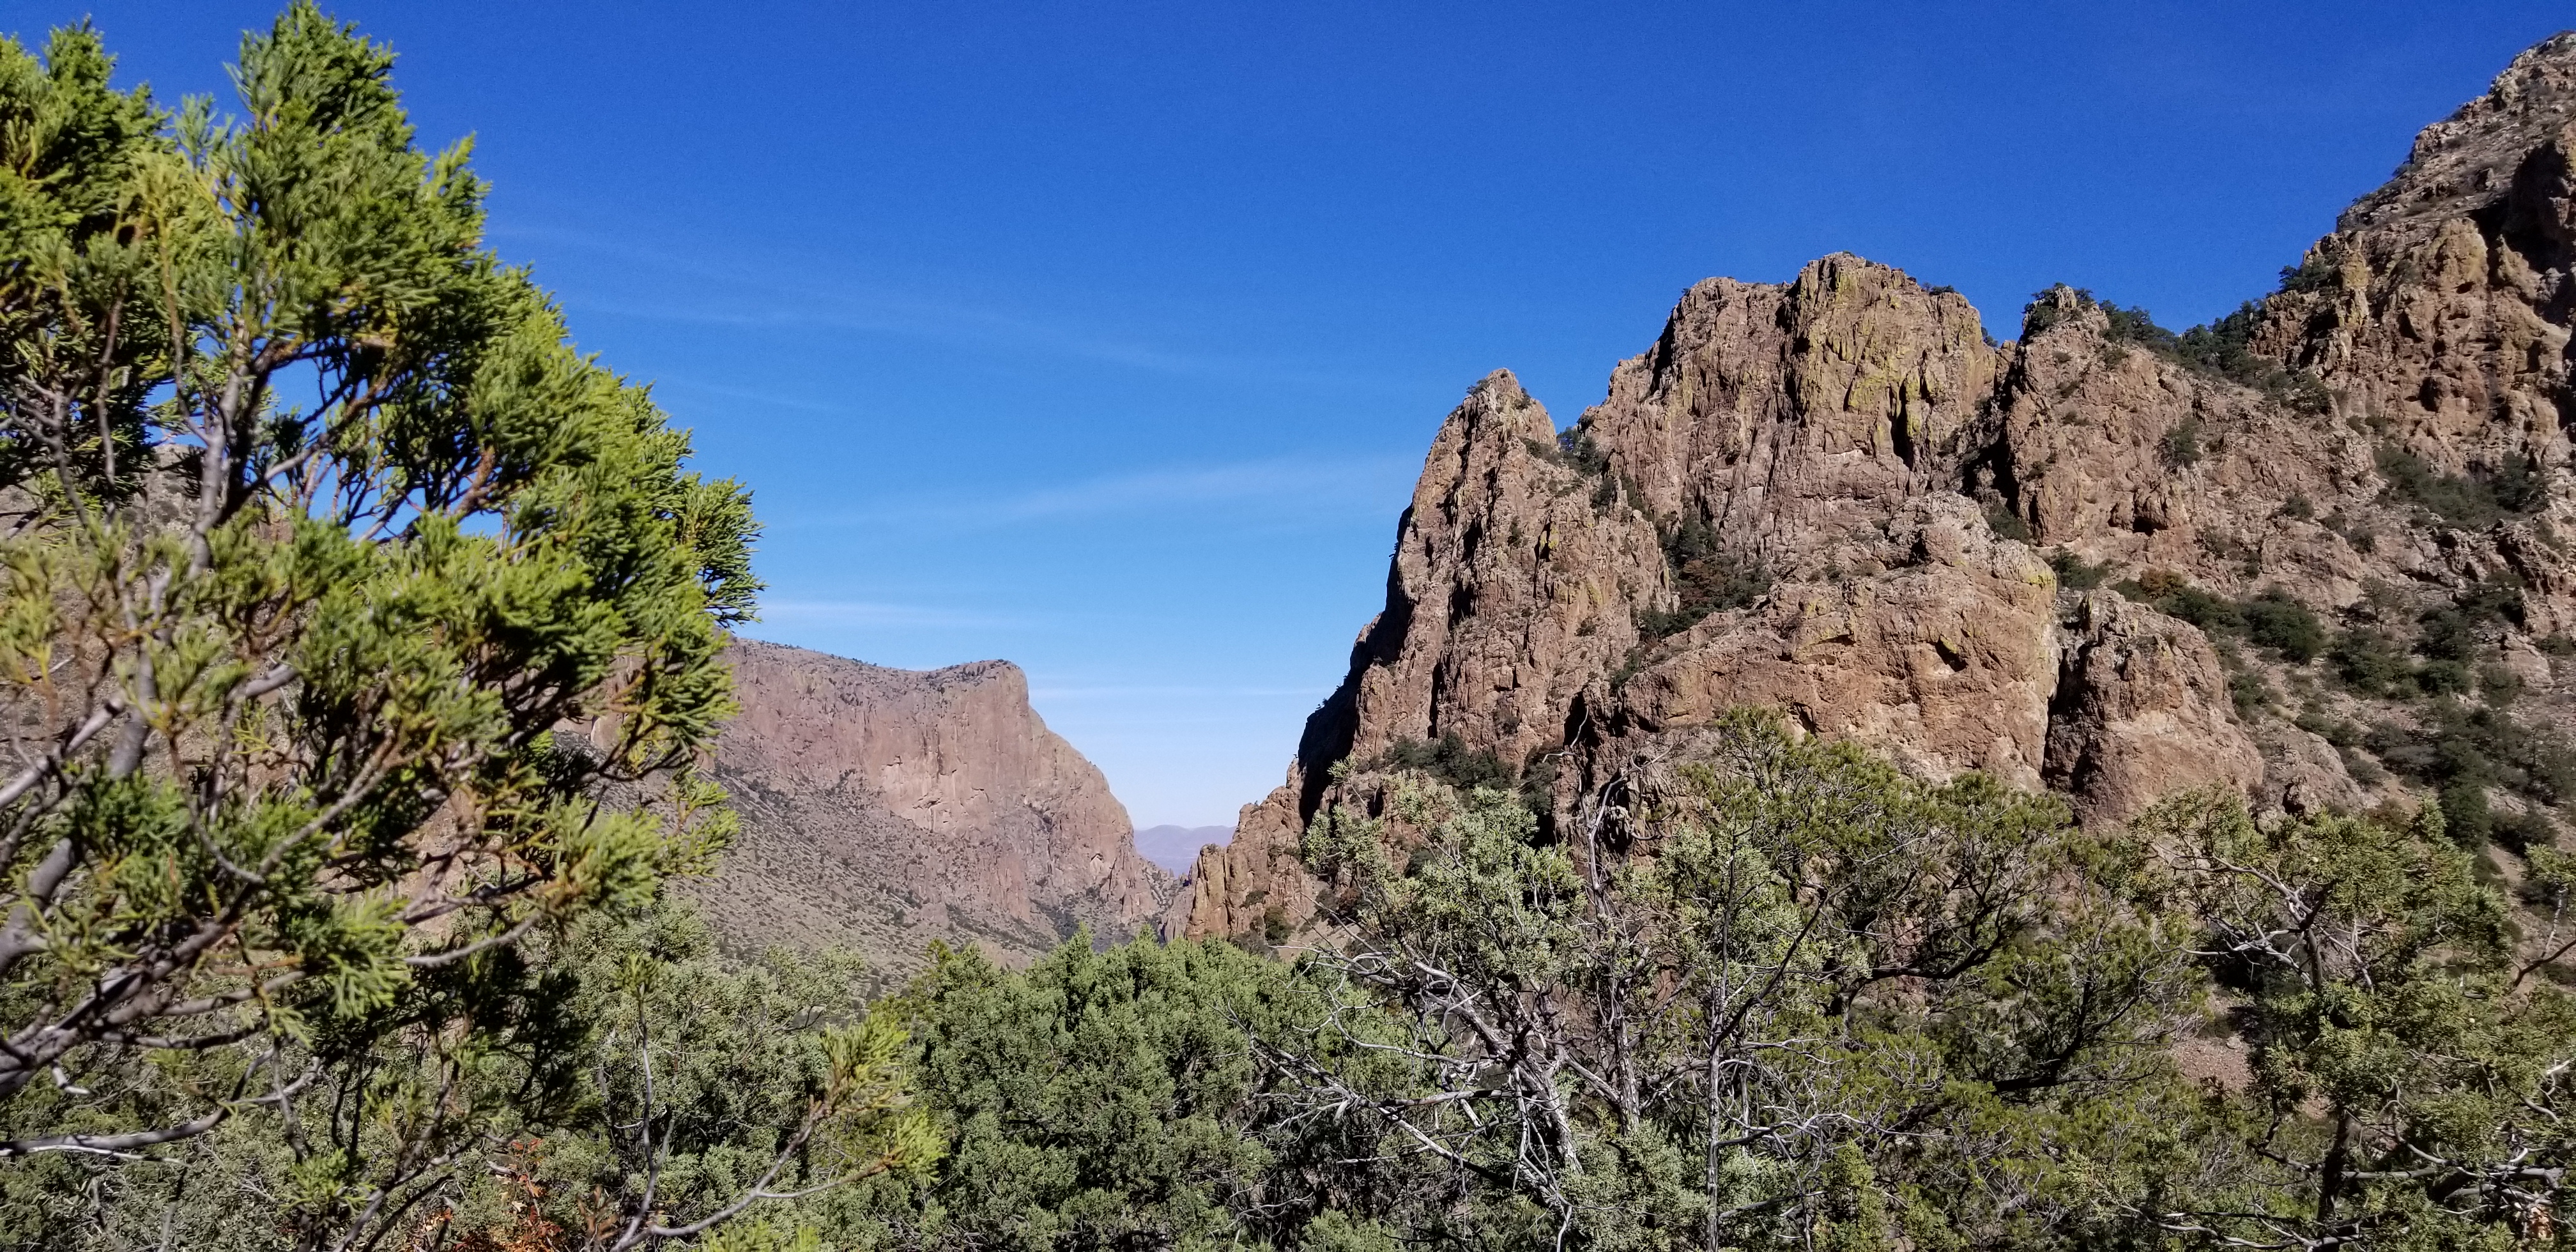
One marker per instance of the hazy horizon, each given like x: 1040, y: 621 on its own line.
x: 1176, y: 848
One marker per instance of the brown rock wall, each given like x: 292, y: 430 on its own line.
x: 885, y: 808
x: 1510, y: 587
x: 1825, y: 431
x: 2142, y: 711
x: 1786, y: 413
x: 1943, y: 659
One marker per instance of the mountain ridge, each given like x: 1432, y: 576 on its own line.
x: 2312, y: 552
x: 1176, y: 848
x: 883, y: 808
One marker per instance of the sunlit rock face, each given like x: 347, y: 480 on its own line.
x: 883, y: 808
x: 1839, y: 498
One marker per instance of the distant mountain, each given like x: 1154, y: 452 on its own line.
x: 2316, y: 552
x: 1175, y: 848
x: 885, y: 808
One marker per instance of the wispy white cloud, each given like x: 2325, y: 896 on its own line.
x: 688, y: 386
x: 1312, y: 487
x: 1243, y: 482
x: 740, y: 297
x: 874, y: 613
x: 916, y: 319
x: 747, y: 293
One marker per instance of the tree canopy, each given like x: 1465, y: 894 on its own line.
x: 356, y: 633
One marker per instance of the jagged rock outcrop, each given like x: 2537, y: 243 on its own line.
x: 1789, y: 414
x: 1510, y: 589
x: 884, y: 808
x: 1839, y: 498
x: 1943, y: 656
x: 2141, y: 709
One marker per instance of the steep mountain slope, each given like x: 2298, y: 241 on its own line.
x: 884, y: 808
x: 2313, y: 551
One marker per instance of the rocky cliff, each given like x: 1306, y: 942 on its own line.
x: 2315, y: 551
x: 884, y: 808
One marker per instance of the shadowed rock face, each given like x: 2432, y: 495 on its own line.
x: 1898, y: 482
x: 883, y: 808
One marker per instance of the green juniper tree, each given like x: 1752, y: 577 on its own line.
x: 1137, y: 1097
x: 318, y: 544
x: 706, y: 1087
x: 1099, y: 1100
x: 2410, y: 1067
x: 1780, y: 996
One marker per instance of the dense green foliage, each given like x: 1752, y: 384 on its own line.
x: 2370, y: 659
x: 315, y: 537
x: 2460, y: 737
x: 764, y: 1075
x: 2456, y: 731
x: 2464, y: 750
x: 2180, y: 446
x: 2272, y: 619
x: 2407, y: 1069
x: 1780, y: 997
x: 1449, y: 760
x: 1706, y: 1039
x: 1102, y: 1099
x: 2074, y: 573
x: 2224, y: 349
x: 1576, y: 447
x: 2121, y: 325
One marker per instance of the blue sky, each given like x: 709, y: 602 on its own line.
x: 1107, y: 338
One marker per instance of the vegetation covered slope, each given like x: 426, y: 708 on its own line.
x: 1794, y: 999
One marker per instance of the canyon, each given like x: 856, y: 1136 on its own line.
x: 2315, y: 553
